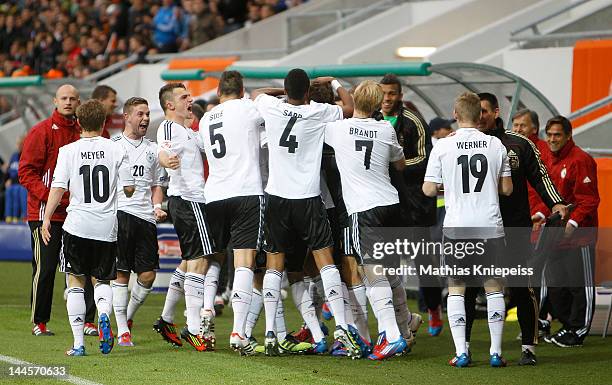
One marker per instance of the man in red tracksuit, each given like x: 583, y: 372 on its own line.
x: 570, y: 272
x: 527, y: 123
x: 36, y: 167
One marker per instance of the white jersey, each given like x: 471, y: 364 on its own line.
x: 145, y: 168
x: 295, y: 145
x: 231, y: 133
x: 187, y: 181
x: 364, y: 148
x: 92, y: 169
x: 469, y: 165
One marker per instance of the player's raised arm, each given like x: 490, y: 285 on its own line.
x: 348, y: 104
x: 272, y: 91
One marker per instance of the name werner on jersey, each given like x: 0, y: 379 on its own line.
x: 370, y: 134
x: 472, y: 144
x: 92, y: 154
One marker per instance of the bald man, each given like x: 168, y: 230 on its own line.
x: 36, y: 168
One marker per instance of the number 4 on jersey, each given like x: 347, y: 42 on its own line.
x: 291, y: 143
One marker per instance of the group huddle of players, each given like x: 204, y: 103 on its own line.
x: 273, y: 198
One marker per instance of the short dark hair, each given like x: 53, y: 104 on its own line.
x: 165, y: 93
x: 230, y: 83
x: 322, y: 93
x: 132, y: 102
x: 392, y: 79
x: 535, y: 120
x: 197, y: 111
x: 489, y: 97
x: 102, y: 92
x: 91, y: 115
x: 561, y: 120
x: 297, y: 84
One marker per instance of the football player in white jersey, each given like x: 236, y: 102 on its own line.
x: 231, y: 134
x: 91, y: 169
x: 474, y: 169
x: 179, y: 153
x: 136, y: 216
x: 294, y: 130
x: 364, y: 148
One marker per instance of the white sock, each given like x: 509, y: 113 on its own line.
x: 120, y: 301
x: 210, y: 286
x: 359, y: 301
x: 304, y: 304
x: 75, y: 304
x: 103, y: 297
x: 531, y: 348
x: 174, y: 295
x: 330, y: 276
x: 348, y: 311
x: 137, y: 298
x: 194, y: 299
x: 279, y: 321
x: 271, y: 295
x: 402, y: 313
x: 455, y: 309
x: 254, y: 311
x: 382, y: 304
x: 241, y: 297
x: 315, y: 294
x: 496, y: 313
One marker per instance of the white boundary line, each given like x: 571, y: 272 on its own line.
x: 69, y: 378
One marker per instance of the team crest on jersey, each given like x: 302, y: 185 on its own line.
x: 513, y: 159
x: 150, y: 157
x: 563, y: 173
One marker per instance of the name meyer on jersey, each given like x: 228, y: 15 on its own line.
x: 92, y: 154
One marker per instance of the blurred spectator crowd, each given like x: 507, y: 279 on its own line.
x: 59, y: 38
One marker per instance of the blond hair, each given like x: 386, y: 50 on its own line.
x: 368, y: 96
x: 467, y: 107
x: 91, y: 115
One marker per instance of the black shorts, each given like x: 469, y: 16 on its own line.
x: 469, y: 260
x: 82, y: 256
x: 341, y: 234
x: 285, y: 219
x: 364, y: 232
x: 193, y: 232
x: 137, y: 249
x: 238, y: 219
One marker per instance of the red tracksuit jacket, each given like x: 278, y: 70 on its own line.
x: 38, y: 159
x: 574, y: 173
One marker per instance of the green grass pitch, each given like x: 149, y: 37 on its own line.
x: 152, y: 361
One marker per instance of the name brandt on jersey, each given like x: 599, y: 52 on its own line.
x: 472, y: 144
x: 92, y: 154
x: 364, y: 133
